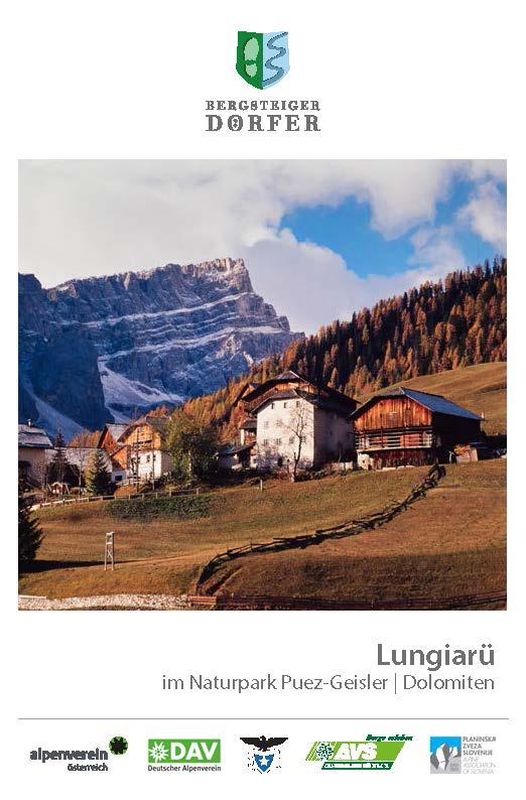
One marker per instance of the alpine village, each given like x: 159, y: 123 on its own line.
x: 359, y: 467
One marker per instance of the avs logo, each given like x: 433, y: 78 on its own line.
x: 374, y: 753
x: 186, y: 755
x: 263, y: 754
x: 262, y: 58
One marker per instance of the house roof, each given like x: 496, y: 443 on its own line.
x: 291, y: 376
x: 29, y: 436
x: 234, y: 449
x: 334, y: 404
x: 434, y: 402
x: 158, y: 423
x: 251, y: 385
x: 116, y: 429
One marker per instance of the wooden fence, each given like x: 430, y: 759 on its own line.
x: 349, y: 528
x: 107, y: 497
x: 226, y: 600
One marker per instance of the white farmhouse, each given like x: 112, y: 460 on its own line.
x: 299, y: 424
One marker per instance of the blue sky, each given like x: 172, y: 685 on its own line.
x: 347, y: 229
x: 321, y: 238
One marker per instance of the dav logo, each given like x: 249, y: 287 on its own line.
x: 184, y: 751
x: 262, y: 58
x: 374, y: 753
x: 263, y: 754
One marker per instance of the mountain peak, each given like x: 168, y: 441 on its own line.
x: 155, y: 336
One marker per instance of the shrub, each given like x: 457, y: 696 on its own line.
x: 182, y: 507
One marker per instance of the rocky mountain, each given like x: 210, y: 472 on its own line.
x: 101, y: 349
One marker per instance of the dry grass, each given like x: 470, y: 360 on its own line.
x: 165, y: 554
x: 451, y: 542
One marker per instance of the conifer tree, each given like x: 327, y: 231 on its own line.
x: 29, y: 532
x: 59, y: 462
x: 98, y: 479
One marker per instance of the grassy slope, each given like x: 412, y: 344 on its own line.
x: 481, y: 388
x: 165, y: 554
x: 451, y: 543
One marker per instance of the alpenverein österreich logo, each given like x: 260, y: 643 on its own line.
x: 262, y: 58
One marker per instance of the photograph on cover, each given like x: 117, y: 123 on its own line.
x: 262, y: 384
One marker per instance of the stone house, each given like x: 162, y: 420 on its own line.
x: 298, y: 424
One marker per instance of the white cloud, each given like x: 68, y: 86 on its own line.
x: 485, y: 214
x: 80, y: 218
x: 436, y: 251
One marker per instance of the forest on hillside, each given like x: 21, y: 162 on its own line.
x: 455, y: 322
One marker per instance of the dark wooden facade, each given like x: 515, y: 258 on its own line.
x: 404, y: 427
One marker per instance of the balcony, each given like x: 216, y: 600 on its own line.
x: 397, y: 439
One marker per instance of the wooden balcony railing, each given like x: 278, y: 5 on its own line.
x: 396, y: 439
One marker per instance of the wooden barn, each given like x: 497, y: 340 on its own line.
x: 405, y: 427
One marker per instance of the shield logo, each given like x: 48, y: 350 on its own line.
x: 262, y: 58
x: 263, y: 761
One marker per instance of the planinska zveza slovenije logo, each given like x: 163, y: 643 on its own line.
x: 262, y: 58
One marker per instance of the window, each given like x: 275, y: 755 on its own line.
x: 297, y: 403
x: 291, y: 440
x: 265, y: 424
x: 265, y: 441
x: 285, y: 404
x: 148, y: 459
x: 278, y: 441
x: 272, y: 405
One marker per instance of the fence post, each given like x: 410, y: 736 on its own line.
x: 261, y: 484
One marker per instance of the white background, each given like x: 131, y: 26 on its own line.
x: 129, y: 79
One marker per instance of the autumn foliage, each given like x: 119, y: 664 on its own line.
x: 457, y: 322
